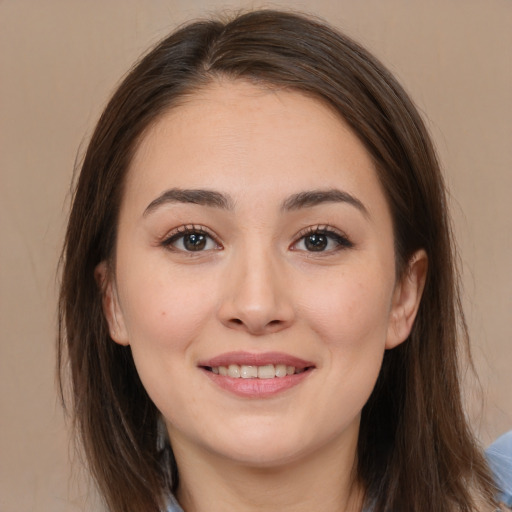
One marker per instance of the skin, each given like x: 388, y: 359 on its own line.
x: 257, y: 287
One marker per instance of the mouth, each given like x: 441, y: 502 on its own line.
x: 256, y: 375
x: 267, y: 371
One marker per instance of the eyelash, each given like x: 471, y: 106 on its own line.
x: 183, y: 231
x: 342, y: 241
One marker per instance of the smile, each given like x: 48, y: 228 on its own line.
x: 254, y: 375
x: 268, y: 371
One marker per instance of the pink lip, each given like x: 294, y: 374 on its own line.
x: 256, y: 388
x: 249, y: 359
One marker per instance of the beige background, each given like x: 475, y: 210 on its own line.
x: 59, y: 61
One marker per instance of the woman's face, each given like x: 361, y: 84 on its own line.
x: 255, y: 240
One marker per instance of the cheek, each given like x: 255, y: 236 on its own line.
x: 164, y: 313
x: 164, y: 318
x: 350, y: 310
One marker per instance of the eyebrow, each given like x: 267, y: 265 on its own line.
x: 316, y: 197
x: 215, y: 199
x: 193, y: 196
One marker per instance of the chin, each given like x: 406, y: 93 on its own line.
x: 269, y: 456
x: 265, y: 447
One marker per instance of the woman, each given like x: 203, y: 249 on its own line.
x: 259, y: 300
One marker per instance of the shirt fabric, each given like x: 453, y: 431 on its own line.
x: 173, y: 506
x: 499, y: 457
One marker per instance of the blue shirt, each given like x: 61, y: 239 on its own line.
x: 499, y: 457
x: 173, y: 506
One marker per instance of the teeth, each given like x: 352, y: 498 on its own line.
x: 280, y: 370
x: 248, y: 372
x: 234, y: 371
x: 268, y: 371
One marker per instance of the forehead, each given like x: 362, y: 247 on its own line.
x: 237, y: 136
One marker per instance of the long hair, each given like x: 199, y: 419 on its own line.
x: 415, y: 449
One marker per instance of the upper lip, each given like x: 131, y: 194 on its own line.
x: 251, y: 359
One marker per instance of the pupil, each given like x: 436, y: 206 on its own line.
x: 194, y: 242
x: 316, y: 242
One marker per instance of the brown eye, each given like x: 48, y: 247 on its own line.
x: 190, y: 240
x: 322, y: 240
x: 194, y: 242
x: 316, y: 242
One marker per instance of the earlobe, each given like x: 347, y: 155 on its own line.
x: 110, y: 304
x: 406, y: 299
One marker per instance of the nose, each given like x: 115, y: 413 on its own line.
x: 257, y: 295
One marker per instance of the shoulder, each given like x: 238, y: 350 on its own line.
x: 499, y: 457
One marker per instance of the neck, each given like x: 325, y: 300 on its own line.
x: 325, y: 480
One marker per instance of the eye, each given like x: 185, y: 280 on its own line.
x: 322, y: 239
x: 190, y: 239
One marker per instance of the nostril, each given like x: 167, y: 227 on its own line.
x: 257, y: 327
x: 256, y: 322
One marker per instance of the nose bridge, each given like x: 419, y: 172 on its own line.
x: 257, y: 298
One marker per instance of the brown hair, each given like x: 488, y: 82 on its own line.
x: 416, y: 451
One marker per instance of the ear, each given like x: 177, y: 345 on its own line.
x: 110, y: 303
x: 406, y: 299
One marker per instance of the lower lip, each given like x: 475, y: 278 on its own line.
x: 257, y: 388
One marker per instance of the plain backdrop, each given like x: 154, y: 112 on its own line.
x: 59, y: 62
